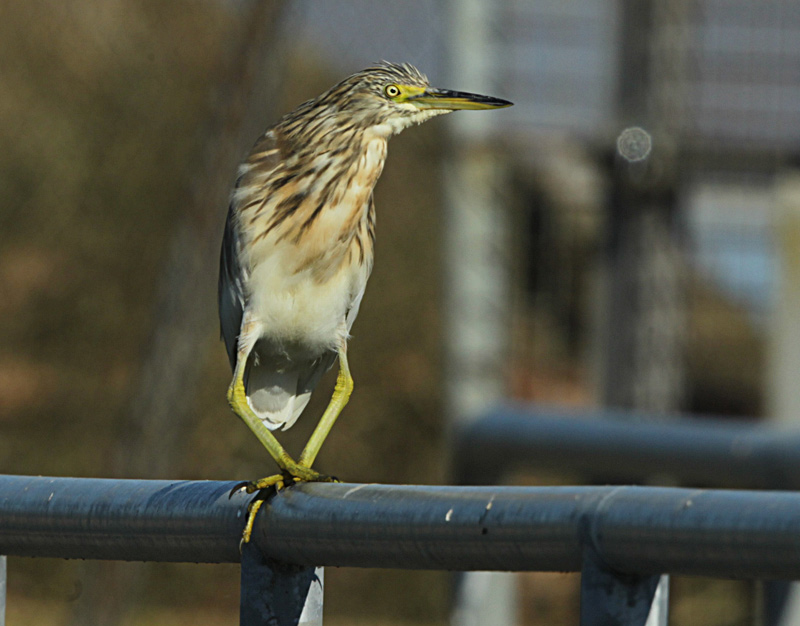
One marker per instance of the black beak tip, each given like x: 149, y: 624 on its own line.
x: 500, y: 103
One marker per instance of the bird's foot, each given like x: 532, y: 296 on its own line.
x: 294, y: 473
x: 263, y: 486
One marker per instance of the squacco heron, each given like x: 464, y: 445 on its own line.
x: 298, y: 249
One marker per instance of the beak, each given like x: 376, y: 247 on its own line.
x: 453, y: 100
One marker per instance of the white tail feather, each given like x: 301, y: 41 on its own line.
x: 278, y: 395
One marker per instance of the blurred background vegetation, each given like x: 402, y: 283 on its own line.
x: 121, y: 125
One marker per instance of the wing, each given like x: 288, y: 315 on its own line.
x: 233, y: 275
x: 366, y: 243
x: 231, y: 290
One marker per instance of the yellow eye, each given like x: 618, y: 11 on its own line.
x: 392, y: 91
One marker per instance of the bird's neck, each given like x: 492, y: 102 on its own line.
x: 331, y: 131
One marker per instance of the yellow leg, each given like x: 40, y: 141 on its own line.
x: 252, y: 509
x: 238, y: 401
x: 290, y: 470
x: 341, y: 395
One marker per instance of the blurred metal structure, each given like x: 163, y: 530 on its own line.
x: 742, y: 80
x: 476, y: 282
x: 3, y: 578
x: 476, y: 233
x: 627, y: 446
x: 642, y: 358
x: 621, y: 538
x: 784, y: 363
x: 784, y: 344
x: 558, y: 61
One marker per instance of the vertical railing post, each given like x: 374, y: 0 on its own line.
x: 3, y: 588
x: 783, y: 396
x: 659, y: 609
x: 485, y: 598
x: 278, y: 593
x: 613, y: 599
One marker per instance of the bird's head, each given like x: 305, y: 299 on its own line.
x: 390, y: 97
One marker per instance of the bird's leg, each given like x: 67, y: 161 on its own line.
x: 237, y: 398
x: 290, y: 469
x: 341, y: 394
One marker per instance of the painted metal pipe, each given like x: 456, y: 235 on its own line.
x: 637, y: 530
x: 624, y: 446
x: 131, y: 520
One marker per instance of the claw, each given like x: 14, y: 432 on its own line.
x: 237, y: 488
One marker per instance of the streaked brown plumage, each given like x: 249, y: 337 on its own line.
x: 298, y: 247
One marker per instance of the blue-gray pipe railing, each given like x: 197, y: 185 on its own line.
x: 624, y: 446
x: 636, y: 530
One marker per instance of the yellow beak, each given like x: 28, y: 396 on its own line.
x: 453, y: 100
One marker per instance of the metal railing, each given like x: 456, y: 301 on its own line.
x: 621, y: 538
x: 628, y: 446
x: 622, y: 446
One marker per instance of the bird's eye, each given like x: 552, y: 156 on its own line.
x: 392, y: 91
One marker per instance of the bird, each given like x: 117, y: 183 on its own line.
x: 298, y: 248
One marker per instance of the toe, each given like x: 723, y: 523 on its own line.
x: 277, y: 480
